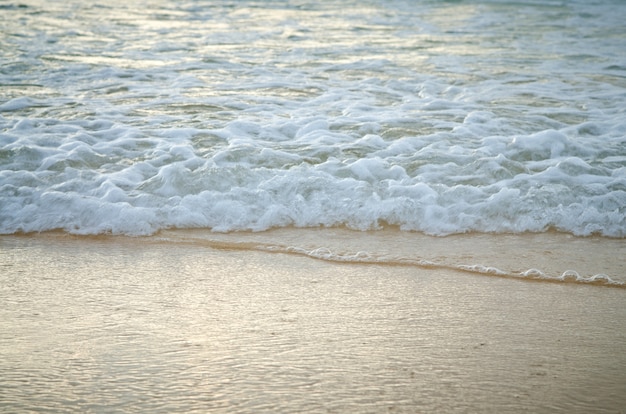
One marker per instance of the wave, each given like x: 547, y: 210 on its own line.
x: 430, y: 185
x: 235, y: 127
x: 393, y: 249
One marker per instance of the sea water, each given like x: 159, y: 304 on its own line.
x: 440, y: 117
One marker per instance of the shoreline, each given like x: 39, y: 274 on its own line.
x: 552, y: 257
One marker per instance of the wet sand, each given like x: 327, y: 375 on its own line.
x: 174, y: 324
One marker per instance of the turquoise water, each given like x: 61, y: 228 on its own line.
x: 438, y: 117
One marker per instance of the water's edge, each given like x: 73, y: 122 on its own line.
x: 540, y: 257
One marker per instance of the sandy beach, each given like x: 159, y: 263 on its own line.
x: 172, y: 324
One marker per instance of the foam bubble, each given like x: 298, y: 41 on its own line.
x: 231, y: 126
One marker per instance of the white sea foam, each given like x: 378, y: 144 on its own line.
x: 437, y: 117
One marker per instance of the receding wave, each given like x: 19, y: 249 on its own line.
x: 363, y: 257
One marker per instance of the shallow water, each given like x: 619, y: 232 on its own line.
x: 440, y: 117
x: 540, y: 257
x: 118, y: 325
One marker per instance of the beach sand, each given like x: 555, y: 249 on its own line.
x: 386, y: 322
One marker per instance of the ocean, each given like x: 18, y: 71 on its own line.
x: 482, y: 137
x: 435, y: 117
